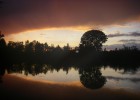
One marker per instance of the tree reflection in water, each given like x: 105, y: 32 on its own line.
x: 91, y: 77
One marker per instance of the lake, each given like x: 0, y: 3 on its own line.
x: 91, y: 78
x: 115, y: 78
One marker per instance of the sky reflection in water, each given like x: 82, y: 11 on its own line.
x: 115, y: 79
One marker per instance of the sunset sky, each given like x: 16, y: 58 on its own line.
x: 65, y: 21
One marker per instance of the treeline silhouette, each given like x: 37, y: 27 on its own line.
x: 32, y: 52
x: 85, y: 54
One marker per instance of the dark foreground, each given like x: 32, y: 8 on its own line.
x: 16, y: 88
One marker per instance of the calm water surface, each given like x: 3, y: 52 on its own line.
x: 94, y: 78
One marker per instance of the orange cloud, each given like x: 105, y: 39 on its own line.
x: 22, y: 15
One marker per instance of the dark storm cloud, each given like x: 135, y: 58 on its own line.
x: 22, y: 15
x: 134, y: 34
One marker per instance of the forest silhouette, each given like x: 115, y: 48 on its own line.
x: 89, y: 52
x: 35, y: 57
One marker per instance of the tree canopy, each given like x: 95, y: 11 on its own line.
x: 2, y: 41
x: 93, y: 39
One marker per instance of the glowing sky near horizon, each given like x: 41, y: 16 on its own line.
x: 60, y: 22
x: 51, y: 36
x: 62, y: 36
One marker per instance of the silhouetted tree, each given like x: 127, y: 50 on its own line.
x: 93, y: 39
x: 2, y: 41
x: 2, y: 48
x: 66, y: 48
x: 15, y: 51
x: 46, y: 46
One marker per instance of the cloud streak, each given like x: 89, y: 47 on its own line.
x: 120, y: 46
x: 130, y: 40
x: 23, y: 15
x: 134, y: 34
x: 135, y: 80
